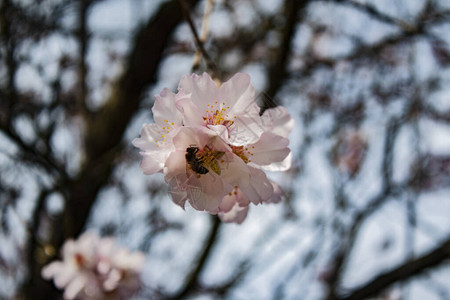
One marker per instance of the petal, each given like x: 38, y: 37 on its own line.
x: 277, y: 195
x: 206, y: 192
x: 52, y: 269
x: 270, y: 148
x: 246, y: 129
x: 192, y: 115
x: 65, y: 275
x: 234, y: 197
x: 202, y: 89
x: 152, y: 137
x: 220, y: 130
x: 234, y: 171
x: 260, y: 188
x: 75, y: 287
x: 280, y: 166
x: 178, y: 193
x: 153, y: 162
x: 238, y: 93
x: 236, y: 215
x: 165, y: 111
x: 175, y: 165
x: 190, y: 136
x: 278, y: 120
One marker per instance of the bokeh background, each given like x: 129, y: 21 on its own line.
x: 366, y: 212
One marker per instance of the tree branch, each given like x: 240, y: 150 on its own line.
x: 209, y: 62
x: 277, y: 71
x: 401, y: 273
x: 192, y: 279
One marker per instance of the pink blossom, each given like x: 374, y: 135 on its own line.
x: 231, y: 106
x: 95, y: 268
x: 217, y: 147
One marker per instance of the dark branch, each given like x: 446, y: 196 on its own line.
x: 278, y: 69
x: 192, y: 279
x: 401, y: 273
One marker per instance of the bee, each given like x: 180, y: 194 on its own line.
x: 194, y: 162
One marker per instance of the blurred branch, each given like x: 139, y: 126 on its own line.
x: 349, y: 237
x: 372, y: 11
x: 401, y: 273
x: 199, y: 43
x: 83, y: 40
x: 278, y: 69
x: 204, y: 32
x: 191, y: 282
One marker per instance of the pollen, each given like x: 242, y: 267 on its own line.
x: 241, y: 153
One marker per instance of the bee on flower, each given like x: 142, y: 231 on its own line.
x: 218, y: 145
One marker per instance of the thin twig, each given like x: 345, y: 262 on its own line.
x: 209, y: 63
x: 204, y: 32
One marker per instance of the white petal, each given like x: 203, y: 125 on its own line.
x: 189, y: 136
x: 202, y: 89
x: 206, y: 192
x: 153, y: 162
x: 165, y: 111
x: 280, y: 166
x: 238, y: 93
x: 75, y: 286
x: 234, y: 171
x: 52, y: 269
x: 236, y: 197
x: 270, y: 148
x: 220, y: 130
x: 236, y: 215
x: 175, y: 165
x: 260, y: 188
x: 246, y: 129
x: 150, y: 139
x: 278, y: 120
x: 66, y: 275
x: 277, y: 195
x: 192, y: 115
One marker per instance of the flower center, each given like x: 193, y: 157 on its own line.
x: 216, y: 114
x: 79, y: 260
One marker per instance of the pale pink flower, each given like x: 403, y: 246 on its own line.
x: 230, y: 107
x: 95, y: 268
x: 217, y: 146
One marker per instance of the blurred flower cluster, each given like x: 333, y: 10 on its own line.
x: 212, y: 145
x: 95, y: 268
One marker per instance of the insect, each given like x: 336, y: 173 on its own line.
x: 194, y: 162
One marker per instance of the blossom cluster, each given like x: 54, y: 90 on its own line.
x: 212, y: 145
x: 95, y: 268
